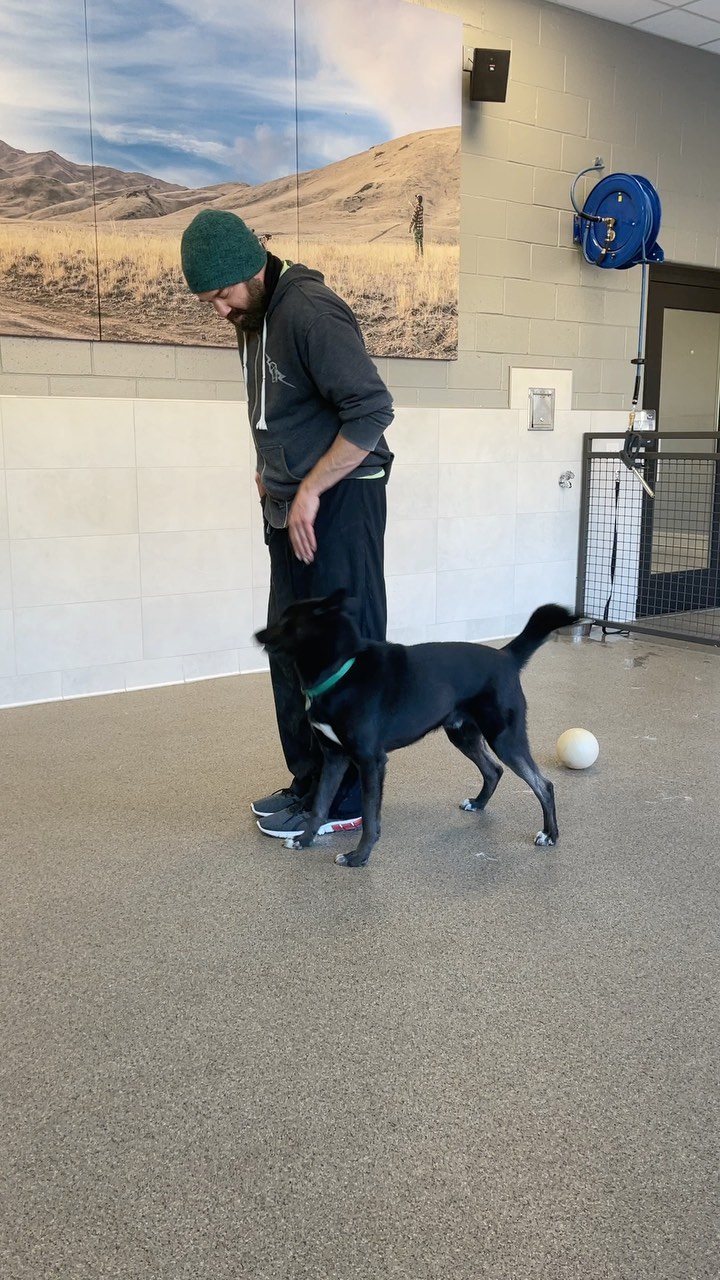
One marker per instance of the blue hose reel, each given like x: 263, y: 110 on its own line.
x: 618, y: 228
x: 619, y: 223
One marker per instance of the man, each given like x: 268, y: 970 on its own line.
x: 317, y: 408
x: 417, y: 228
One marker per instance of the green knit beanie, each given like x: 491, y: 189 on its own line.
x: 218, y: 249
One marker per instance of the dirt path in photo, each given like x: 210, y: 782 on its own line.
x: 431, y: 334
x: 20, y: 319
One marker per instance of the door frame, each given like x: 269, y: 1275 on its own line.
x: 675, y: 286
x: 676, y: 275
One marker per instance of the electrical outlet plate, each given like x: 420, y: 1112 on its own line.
x: 541, y: 408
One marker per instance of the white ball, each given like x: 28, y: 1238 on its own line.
x: 577, y: 748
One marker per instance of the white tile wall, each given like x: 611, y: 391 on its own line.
x: 471, y: 542
x: 411, y: 546
x: 56, y: 637
x: 139, y: 559
x: 75, y: 570
x: 190, y: 434
x: 413, y: 493
x: 175, y: 498
x: 99, y: 433
x: 412, y: 601
x: 79, y: 682
x: 473, y: 593
x: 5, y: 585
x: 488, y: 487
x: 71, y: 503
x: 202, y: 666
x: 152, y: 672
x: 195, y: 560
x: 17, y: 690
x: 478, y: 435
x: 126, y: 557
x: 7, y: 643
x: 556, y: 582
x: 196, y: 622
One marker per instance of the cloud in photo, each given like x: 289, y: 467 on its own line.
x: 43, y: 77
x: 411, y: 68
x: 203, y: 95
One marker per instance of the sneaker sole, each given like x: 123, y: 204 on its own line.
x: 328, y: 828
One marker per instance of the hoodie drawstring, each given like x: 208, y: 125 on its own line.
x: 261, y: 424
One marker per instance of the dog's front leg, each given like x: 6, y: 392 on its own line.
x: 372, y: 777
x: 333, y: 770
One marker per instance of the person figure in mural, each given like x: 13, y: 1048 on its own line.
x: 417, y: 225
x: 318, y: 410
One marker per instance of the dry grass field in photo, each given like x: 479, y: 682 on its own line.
x: 50, y: 284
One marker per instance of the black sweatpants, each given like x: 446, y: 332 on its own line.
x: 350, y: 534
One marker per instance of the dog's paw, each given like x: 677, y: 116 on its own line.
x: 351, y: 860
x: 469, y: 805
x: 544, y: 840
x: 292, y: 843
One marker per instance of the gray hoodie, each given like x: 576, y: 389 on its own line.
x: 308, y: 377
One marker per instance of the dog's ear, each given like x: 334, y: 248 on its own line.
x: 262, y: 636
x: 334, y: 603
x: 340, y: 604
x: 335, y: 600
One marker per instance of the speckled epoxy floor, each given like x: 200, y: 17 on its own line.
x: 473, y: 1059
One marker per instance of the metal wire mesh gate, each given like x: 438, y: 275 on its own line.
x: 649, y: 554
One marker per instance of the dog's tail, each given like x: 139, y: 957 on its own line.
x: 543, y: 622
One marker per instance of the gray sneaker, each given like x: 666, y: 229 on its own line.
x: 292, y: 821
x: 274, y: 803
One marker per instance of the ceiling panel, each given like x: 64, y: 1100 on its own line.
x: 696, y: 24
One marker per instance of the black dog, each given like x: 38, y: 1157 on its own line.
x: 366, y: 698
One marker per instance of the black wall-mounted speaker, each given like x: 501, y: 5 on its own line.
x: 489, y: 76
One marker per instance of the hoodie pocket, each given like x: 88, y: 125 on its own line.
x: 275, y: 472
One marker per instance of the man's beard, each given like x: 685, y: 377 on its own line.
x: 251, y: 318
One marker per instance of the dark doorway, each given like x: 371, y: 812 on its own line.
x: 680, y: 540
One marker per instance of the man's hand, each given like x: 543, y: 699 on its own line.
x: 341, y: 458
x: 301, y: 524
x: 260, y: 486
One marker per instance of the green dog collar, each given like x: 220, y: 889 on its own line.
x: 327, y: 684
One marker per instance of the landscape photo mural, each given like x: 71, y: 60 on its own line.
x: 320, y: 122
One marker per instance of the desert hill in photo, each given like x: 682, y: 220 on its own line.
x: 362, y: 198
x: 43, y: 184
x: 94, y: 252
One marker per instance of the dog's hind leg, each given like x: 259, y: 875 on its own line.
x: 334, y: 766
x: 513, y: 749
x: 372, y: 778
x: 468, y: 739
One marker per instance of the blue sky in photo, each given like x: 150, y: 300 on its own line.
x: 200, y: 94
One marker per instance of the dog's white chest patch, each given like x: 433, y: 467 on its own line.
x: 327, y: 730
